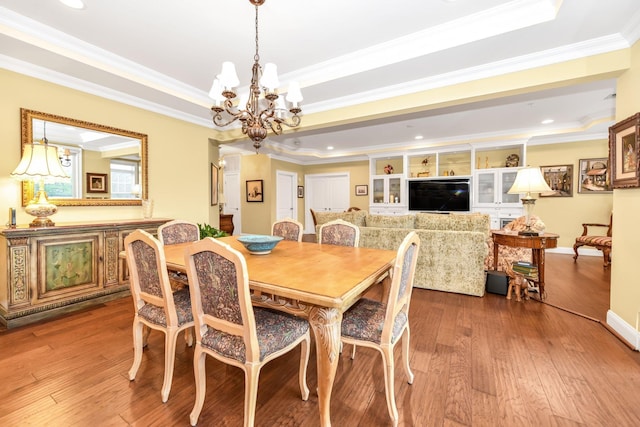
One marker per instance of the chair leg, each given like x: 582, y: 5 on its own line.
x: 389, y: 382
x: 188, y: 336
x: 606, y: 252
x: 201, y: 383
x: 137, y: 348
x: 170, y: 339
x: 353, y: 352
x: 251, y: 376
x: 406, y: 335
x: 305, y: 350
x: 575, y: 249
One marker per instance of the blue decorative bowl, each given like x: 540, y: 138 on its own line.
x: 259, y: 245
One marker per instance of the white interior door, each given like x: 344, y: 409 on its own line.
x: 325, y: 192
x: 232, y: 195
x: 286, y: 187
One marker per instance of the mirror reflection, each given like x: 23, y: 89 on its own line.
x: 106, y: 166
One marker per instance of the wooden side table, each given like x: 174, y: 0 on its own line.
x: 538, y: 244
x: 226, y: 223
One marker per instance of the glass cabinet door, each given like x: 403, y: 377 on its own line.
x: 507, y: 181
x: 378, y: 190
x: 394, y: 190
x: 486, y: 184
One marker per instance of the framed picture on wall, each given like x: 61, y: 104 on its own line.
x: 560, y: 179
x: 593, y: 176
x: 97, y: 182
x: 624, y: 146
x: 255, y: 191
x: 362, y: 190
x: 300, y: 192
x: 214, y: 185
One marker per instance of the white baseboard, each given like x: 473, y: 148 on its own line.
x: 581, y: 251
x: 625, y: 330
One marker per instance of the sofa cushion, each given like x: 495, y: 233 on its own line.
x: 390, y: 221
x: 454, y: 222
x: 432, y: 221
x: 354, y: 217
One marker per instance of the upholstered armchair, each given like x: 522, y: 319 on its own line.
x: 507, y: 255
x: 602, y: 243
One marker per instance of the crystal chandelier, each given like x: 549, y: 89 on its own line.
x: 260, y: 113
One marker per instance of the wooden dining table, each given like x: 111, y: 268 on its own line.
x: 318, y: 282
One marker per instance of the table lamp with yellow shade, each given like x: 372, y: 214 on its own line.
x: 529, y: 180
x: 40, y: 163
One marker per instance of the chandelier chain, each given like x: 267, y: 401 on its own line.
x: 256, y: 57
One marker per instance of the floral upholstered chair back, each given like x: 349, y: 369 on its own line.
x: 178, y: 231
x: 230, y: 329
x: 221, y: 301
x: 401, y: 286
x: 339, y: 232
x: 288, y: 228
x: 149, y: 281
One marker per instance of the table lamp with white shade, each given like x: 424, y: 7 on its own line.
x: 40, y: 163
x: 529, y: 180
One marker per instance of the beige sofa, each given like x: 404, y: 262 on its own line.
x: 453, y: 249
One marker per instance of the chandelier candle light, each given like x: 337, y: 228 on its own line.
x: 529, y: 180
x: 260, y: 114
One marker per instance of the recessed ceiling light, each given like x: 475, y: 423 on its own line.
x: 75, y: 4
x: 418, y: 137
x: 330, y: 147
x: 547, y: 121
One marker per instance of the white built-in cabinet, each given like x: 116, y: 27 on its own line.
x: 485, y: 164
x: 387, y: 195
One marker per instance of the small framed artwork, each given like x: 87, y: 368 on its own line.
x: 624, y: 143
x: 560, y: 179
x: 214, y: 185
x: 97, y: 182
x: 255, y: 192
x: 362, y: 190
x: 300, y: 192
x: 593, y: 176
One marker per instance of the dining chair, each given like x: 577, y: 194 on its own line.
x: 288, y: 228
x: 380, y: 325
x: 156, y: 305
x: 339, y: 232
x: 178, y: 231
x: 174, y: 232
x: 230, y: 329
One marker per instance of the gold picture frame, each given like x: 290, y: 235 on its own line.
x: 560, y: 179
x: 624, y: 145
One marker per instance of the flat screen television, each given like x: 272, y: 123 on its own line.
x: 440, y: 195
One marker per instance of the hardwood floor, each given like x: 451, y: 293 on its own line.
x: 477, y: 362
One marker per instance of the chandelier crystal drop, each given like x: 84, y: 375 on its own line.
x: 264, y: 108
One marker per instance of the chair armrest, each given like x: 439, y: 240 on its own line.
x: 585, y: 227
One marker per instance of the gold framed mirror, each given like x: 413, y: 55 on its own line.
x: 86, y: 151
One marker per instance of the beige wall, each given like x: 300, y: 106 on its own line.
x: 564, y: 215
x: 625, y: 286
x: 179, y: 153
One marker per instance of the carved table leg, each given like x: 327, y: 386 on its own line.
x: 326, y: 323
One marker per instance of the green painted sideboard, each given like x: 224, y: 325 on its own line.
x: 45, y: 272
